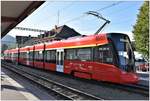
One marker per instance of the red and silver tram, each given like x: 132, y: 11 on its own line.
x: 104, y: 57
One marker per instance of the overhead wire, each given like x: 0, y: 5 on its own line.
x: 116, y: 12
x: 63, y: 9
x: 76, y: 18
x: 109, y: 6
x: 60, y: 10
x: 101, y: 9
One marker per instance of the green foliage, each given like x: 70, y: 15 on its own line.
x: 141, y: 30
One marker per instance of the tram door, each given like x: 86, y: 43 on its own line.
x: 60, y: 60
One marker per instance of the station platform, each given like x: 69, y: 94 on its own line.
x: 12, y: 90
x: 15, y: 88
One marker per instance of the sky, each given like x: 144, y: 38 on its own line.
x: 72, y: 13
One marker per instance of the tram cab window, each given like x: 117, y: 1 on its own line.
x: 104, y: 54
x: 84, y: 54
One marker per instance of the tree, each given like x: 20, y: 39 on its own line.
x: 133, y: 45
x: 141, y: 30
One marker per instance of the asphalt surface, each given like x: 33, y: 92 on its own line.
x: 14, y: 87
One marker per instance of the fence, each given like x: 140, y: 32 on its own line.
x: 143, y: 68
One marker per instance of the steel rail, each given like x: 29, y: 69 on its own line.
x: 65, y: 91
x: 137, y: 88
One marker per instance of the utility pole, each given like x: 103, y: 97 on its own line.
x: 96, y: 14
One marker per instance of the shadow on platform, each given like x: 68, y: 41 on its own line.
x: 12, y: 88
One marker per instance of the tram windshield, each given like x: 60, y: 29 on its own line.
x: 124, y: 50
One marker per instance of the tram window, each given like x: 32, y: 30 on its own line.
x: 104, y: 54
x: 47, y: 56
x: 84, y: 54
x: 40, y: 56
x: 23, y: 54
x: 15, y: 55
x: 30, y: 56
x: 36, y: 55
x: 12, y: 55
x: 8, y: 55
x: 51, y: 56
x: 71, y: 54
x: 20, y: 56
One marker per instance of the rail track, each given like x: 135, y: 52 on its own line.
x: 133, y: 88
x: 62, y: 90
x: 140, y: 89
